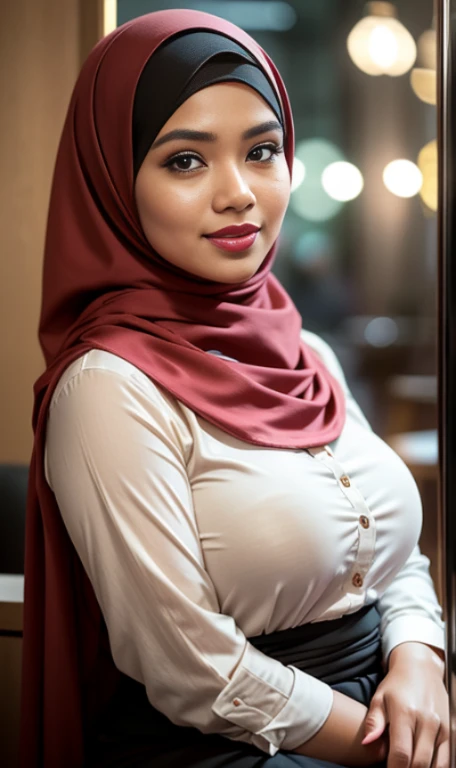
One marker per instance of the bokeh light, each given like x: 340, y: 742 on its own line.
x: 342, y: 181
x: 403, y: 178
x: 428, y: 165
x: 299, y: 173
x: 309, y: 200
x: 381, y: 45
x: 381, y: 332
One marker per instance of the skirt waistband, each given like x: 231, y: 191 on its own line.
x: 334, y: 650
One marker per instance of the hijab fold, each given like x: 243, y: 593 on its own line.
x: 105, y: 288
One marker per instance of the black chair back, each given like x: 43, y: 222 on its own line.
x: 13, y: 497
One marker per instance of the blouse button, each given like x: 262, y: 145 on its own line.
x: 345, y: 480
x: 364, y: 521
x: 357, y: 580
x: 236, y: 702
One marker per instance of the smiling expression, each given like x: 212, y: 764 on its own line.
x: 217, y: 162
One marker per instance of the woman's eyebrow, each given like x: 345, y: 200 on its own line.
x: 190, y: 135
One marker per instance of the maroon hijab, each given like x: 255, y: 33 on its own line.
x: 104, y: 287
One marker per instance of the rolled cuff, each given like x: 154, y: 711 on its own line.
x: 281, y: 706
x: 408, y: 629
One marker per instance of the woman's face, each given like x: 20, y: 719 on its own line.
x: 190, y: 187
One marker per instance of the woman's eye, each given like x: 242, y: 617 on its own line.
x: 265, y: 153
x: 183, y: 163
x: 188, y: 162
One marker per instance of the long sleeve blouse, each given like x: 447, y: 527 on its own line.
x: 195, y: 541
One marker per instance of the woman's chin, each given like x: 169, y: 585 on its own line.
x: 235, y: 267
x: 239, y: 273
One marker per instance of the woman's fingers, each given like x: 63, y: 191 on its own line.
x: 400, y: 740
x: 375, y: 722
x: 442, y: 756
x: 426, y: 734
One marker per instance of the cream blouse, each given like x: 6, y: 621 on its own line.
x: 195, y: 540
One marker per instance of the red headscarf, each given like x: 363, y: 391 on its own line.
x: 104, y: 287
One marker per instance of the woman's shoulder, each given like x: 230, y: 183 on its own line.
x: 114, y: 378
x: 101, y: 396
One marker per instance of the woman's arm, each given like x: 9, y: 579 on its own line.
x: 116, y: 460
x: 409, y: 608
x: 340, y: 739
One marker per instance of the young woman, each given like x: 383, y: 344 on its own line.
x: 222, y: 562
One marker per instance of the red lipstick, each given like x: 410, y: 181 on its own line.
x: 236, y: 230
x: 235, y: 238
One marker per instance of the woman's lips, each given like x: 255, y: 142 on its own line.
x: 234, y: 244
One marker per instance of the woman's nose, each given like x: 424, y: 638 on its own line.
x: 232, y: 190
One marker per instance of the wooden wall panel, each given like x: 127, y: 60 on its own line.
x: 42, y: 43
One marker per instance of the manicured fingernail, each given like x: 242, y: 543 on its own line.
x: 370, y: 737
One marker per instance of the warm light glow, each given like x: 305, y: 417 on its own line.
x: 428, y: 165
x: 424, y: 84
x: 299, y: 173
x: 403, y: 178
x: 109, y: 16
x: 423, y: 78
x: 427, y: 49
x: 381, y: 45
x: 342, y: 181
x: 358, y: 46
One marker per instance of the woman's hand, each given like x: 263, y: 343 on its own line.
x: 413, y: 702
x: 339, y: 740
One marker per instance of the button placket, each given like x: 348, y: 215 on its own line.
x: 366, y: 522
x: 321, y: 453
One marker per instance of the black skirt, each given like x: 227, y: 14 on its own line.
x: 345, y: 653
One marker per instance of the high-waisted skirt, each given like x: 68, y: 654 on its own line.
x: 345, y: 653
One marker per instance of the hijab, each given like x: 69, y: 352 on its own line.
x: 192, y: 61
x: 104, y: 287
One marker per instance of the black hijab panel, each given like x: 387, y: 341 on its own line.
x: 184, y: 65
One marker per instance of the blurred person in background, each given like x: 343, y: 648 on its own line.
x: 222, y: 564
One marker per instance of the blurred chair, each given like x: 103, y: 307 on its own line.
x: 13, y: 494
x: 412, y: 403
x: 411, y: 430
x: 419, y: 451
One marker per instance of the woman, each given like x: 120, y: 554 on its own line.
x: 221, y: 555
